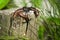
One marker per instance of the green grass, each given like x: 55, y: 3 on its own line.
x: 12, y: 38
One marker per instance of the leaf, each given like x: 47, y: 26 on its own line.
x: 41, y: 32
x: 3, y: 3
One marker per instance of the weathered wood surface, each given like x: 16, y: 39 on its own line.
x: 5, y: 21
x: 18, y: 28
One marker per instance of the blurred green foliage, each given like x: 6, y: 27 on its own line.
x: 11, y: 4
x: 50, y: 26
x: 24, y: 3
x: 3, y: 3
x: 55, y: 4
x: 36, y: 3
x: 41, y: 32
x: 12, y: 38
